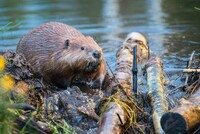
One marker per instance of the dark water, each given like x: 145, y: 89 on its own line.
x: 171, y: 26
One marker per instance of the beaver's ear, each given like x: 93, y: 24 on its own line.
x: 66, y: 43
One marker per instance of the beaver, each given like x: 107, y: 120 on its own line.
x: 59, y: 53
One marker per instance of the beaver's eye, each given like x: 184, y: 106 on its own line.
x: 82, y: 48
x: 67, y: 43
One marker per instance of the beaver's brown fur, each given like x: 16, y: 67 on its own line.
x: 59, y: 53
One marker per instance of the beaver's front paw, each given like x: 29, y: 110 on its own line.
x: 100, y: 82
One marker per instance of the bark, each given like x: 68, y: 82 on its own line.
x: 184, y: 117
x: 156, y: 91
x: 110, y: 122
x: 115, y: 116
x: 119, y: 109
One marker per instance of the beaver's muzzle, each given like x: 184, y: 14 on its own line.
x: 92, y: 66
x: 96, y: 54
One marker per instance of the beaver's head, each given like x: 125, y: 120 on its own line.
x: 80, y: 54
x: 84, y: 58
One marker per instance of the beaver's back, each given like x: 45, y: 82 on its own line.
x: 59, y: 53
x: 43, y: 41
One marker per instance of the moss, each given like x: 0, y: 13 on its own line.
x: 127, y: 105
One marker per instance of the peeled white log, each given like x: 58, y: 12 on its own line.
x: 156, y: 91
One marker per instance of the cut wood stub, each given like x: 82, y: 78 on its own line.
x: 183, y: 117
x: 173, y: 123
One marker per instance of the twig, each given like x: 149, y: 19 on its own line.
x: 191, y: 70
x: 178, y: 77
x: 138, y: 107
x: 37, y: 129
x: 120, y: 119
x: 22, y: 106
x: 174, y: 90
x: 188, y: 66
x: 196, y: 132
x: 197, y: 81
x: 190, y: 61
x: 194, y: 88
x: 111, y: 71
x: 193, y: 83
x: 148, y: 51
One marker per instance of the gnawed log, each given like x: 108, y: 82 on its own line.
x: 183, y: 117
x: 156, y: 91
x: 118, y: 109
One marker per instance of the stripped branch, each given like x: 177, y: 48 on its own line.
x: 156, y: 91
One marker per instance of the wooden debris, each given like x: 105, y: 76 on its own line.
x: 191, y: 70
x: 188, y: 67
x: 156, y: 91
x: 110, y: 123
x: 183, y: 117
x: 118, y: 109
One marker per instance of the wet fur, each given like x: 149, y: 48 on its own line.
x: 58, y: 61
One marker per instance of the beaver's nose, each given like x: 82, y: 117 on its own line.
x: 96, y: 54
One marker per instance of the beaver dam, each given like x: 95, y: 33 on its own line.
x: 159, y: 101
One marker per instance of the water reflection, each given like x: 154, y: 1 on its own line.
x: 113, y: 22
x: 156, y: 21
x: 172, y: 27
x: 184, y: 22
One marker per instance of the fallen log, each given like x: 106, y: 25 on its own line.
x: 184, y: 117
x: 119, y: 109
x: 156, y: 91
